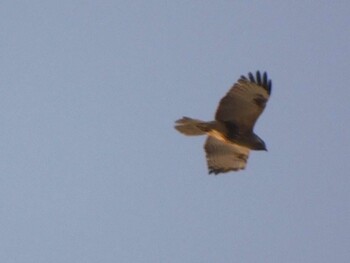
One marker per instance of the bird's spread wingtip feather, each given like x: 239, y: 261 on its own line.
x: 251, y: 77
x: 258, y: 77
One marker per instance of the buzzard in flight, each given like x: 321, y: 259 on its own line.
x: 231, y: 135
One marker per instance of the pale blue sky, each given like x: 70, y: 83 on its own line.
x: 93, y: 171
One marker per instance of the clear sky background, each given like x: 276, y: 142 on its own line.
x: 93, y: 171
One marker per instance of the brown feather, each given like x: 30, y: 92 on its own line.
x: 223, y: 157
x: 245, y: 101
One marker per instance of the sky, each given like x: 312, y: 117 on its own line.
x: 92, y: 169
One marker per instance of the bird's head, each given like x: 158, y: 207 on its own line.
x: 258, y: 144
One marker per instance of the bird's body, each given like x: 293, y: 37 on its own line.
x: 231, y: 135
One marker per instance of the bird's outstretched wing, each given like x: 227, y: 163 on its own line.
x: 245, y: 101
x: 223, y: 157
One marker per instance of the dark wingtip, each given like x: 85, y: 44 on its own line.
x: 261, y: 80
x: 251, y: 77
x: 269, y: 86
x: 258, y: 77
x: 217, y: 171
x: 214, y: 171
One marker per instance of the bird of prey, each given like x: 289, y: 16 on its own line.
x: 231, y: 135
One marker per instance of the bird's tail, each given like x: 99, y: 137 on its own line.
x: 192, y: 127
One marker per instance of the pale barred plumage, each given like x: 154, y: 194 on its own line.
x: 231, y: 135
